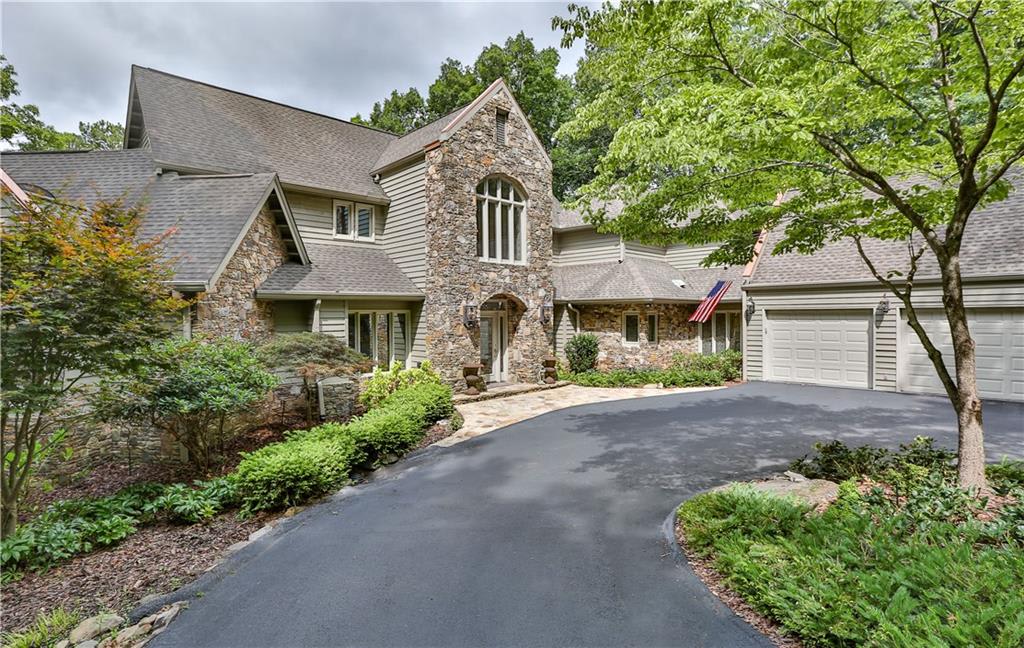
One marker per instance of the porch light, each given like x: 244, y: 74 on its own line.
x: 470, y: 313
x: 882, y: 308
x: 751, y: 307
x: 546, y: 310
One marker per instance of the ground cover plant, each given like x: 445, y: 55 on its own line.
x: 687, y: 370
x: 904, y: 556
x: 385, y: 382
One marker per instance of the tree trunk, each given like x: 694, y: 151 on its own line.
x: 971, y: 464
x: 10, y: 519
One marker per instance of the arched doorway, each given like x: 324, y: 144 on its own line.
x: 499, y: 320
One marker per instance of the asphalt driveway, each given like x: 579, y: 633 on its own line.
x: 545, y: 533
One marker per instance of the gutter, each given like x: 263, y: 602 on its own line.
x: 875, y: 283
x: 286, y: 295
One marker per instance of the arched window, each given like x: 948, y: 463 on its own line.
x: 500, y: 221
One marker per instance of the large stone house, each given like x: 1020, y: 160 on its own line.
x: 446, y: 244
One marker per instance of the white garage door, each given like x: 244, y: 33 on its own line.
x: 820, y: 347
x: 999, y: 340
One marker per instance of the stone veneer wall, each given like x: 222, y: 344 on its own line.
x: 230, y: 308
x: 675, y: 334
x: 454, y: 272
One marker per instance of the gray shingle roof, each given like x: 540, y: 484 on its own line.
x: 414, y: 141
x: 992, y: 246
x: 207, y: 213
x: 199, y: 126
x: 567, y: 219
x: 83, y: 175
x: 637, y: 279
x: 341, y: 270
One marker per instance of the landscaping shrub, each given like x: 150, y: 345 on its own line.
x: 581, y: 352
x: 385, y: 382
x: 837, y: 462
x: 868, y: 571
x: 728, y: 363
x: 673, y: 377
x: 313, y: 462
x: 189, y: 389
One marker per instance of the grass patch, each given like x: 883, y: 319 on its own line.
x: 48, y: 629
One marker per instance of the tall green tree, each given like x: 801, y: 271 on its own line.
x: 22, y: 127
x: 399, y: 113
x: 80, y: 295
x: 881, y: 120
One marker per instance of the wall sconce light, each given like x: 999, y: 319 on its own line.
x: 546, y: 310
x: 751, y: 307
x: 882, y: 308
x: 470, y: 313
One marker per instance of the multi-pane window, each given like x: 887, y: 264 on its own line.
x: 720, y: 333
x: 353, y: 221
x: 652, y: 328
x: 631, y: 328
x: 500, y: 221
x: 381, y: 335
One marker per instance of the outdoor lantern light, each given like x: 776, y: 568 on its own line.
x: 751, y: 307
x: 882, y: 308
x: 546, y: 309
x: 470, y: 314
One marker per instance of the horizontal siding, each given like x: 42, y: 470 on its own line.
x: 584, y: 246
x: 564, y: 330
x: 684, y: 257
x: 404, y: 234
x: 334, y: 318
x: 315, y: 219
x: 292, y: 316
x: 980, y: 295
x: 642, y: 251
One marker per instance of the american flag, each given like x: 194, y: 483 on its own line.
x: 710, y: 303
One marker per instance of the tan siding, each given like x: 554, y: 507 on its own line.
x: 404, y: 235
x: 334, y: 318
x: 314, y: 216
x: 292, y: 316
x: 642, y: 251
x: 584, y: 246
x: 684, y: 257
x: 981, y: 295
x: 564, y: 330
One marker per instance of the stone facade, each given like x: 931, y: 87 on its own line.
x: 675, y: 334
x: 454, y: 272
x: 230, y: 308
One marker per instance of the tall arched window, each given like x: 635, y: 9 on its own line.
x: 500, y: 221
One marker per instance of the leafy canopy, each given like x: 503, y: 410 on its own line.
x: 717, y: 106
x: 21, y: 125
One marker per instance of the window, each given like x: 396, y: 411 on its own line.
x: 721, y: 333
x: 631, y: 328
x: 353, y: 221
x: 500, y: 122
x: 500, y: 226
x: 652, y: 329
x: 342, y: 219
x: 383, y: 335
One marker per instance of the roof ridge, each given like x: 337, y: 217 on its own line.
x: 641, y: 281
x: 68, y: 151
x: 264, y: 99
x: 433, y: 121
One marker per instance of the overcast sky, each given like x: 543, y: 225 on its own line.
x: 73, y: 60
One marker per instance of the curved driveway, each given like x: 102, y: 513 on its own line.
x: 545, y: 533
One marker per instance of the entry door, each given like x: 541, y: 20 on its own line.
x: 492, y: 348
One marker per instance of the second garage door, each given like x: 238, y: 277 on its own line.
x: 820, y: 347
x: 999, y: 352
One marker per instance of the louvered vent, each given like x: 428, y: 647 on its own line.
x: 501, y: 119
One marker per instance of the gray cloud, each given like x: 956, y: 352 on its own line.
x: 337, y: 58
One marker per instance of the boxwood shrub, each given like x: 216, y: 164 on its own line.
x: 311, y: 463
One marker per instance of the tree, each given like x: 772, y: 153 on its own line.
x: 22, y: 127
x: 880, y: 120
x: 399, y: 114
x: 81, y: 295
x: 189, y: 389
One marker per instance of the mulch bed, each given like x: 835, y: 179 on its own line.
x: 156, y: 560
x: 715, y: 583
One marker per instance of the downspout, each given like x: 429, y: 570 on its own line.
x: 315, y: 324
x: 572, y: 309
x: 622, y: 249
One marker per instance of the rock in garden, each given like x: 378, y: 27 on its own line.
x: 91, y: 643
x: 131, y: 633
x: 818, y: 493
x: 93, y: 626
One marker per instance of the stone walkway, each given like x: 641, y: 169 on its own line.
x: 483, y: 416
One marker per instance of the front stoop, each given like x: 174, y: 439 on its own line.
x: 504, y: 391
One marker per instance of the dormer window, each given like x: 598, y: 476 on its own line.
x: 500, y: 122
x: 500, y: 222
x: 353, y: 221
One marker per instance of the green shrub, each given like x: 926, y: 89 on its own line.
x: 905, y: 467
x: 189, y: 389
x: 728, y: 364
x: 865, y: 572
x: 184, y: 504
x: 293, y: 471
x: 673, y: 377
x: 385, y: 382
x: 1005, y: 475
x: 581, y: 352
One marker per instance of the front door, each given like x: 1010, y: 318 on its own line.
x: 492, y: 347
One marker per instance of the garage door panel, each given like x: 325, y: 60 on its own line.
x: 823, y: 347
x: 999, y: 349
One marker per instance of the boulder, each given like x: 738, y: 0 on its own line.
x: 93, y: 626
x: 818, y: 493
